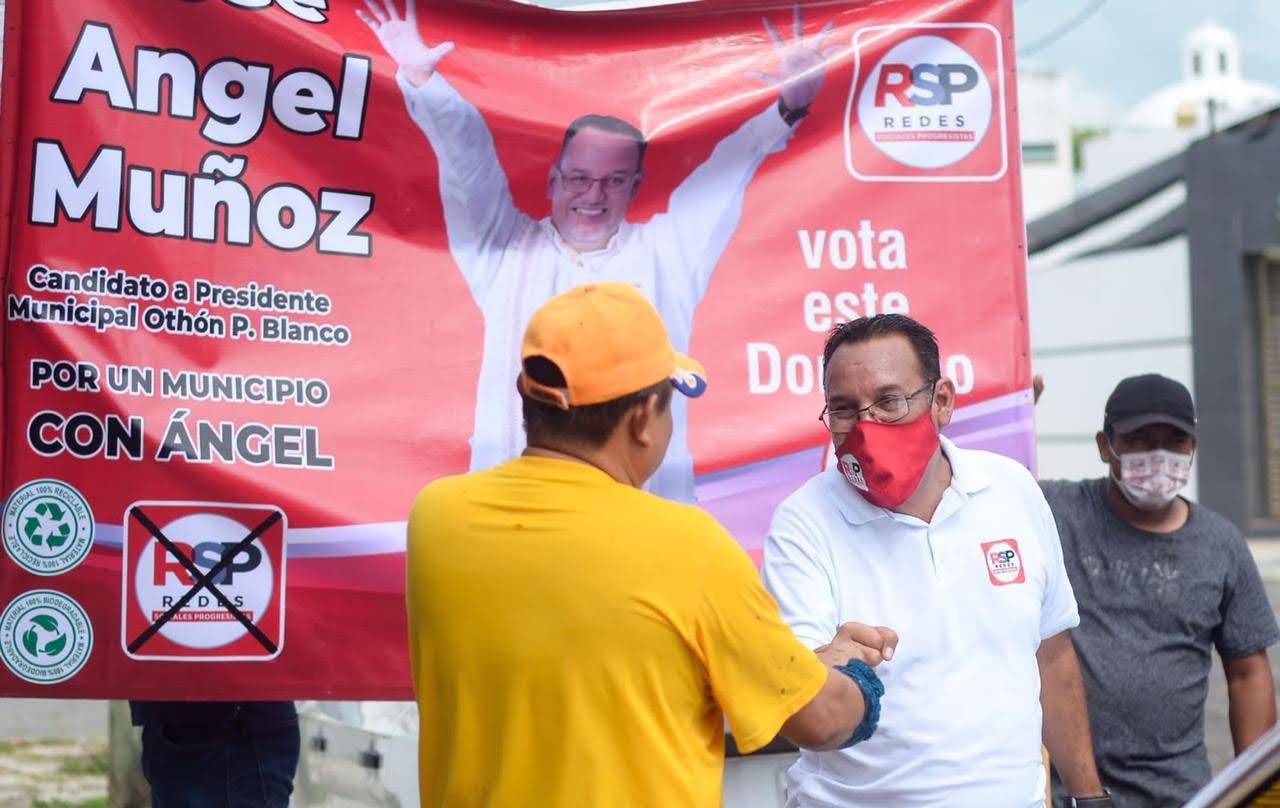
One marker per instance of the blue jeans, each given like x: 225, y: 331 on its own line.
x: 220, y: 767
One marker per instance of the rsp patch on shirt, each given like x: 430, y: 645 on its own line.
x: 1004, y: 562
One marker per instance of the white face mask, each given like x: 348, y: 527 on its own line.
x: 1150, y: 480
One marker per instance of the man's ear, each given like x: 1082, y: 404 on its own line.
x: 551, y: 180
x: 642, y: 419
x: 944, y: 402
x: 1104, y: 447
x: 635, y: 186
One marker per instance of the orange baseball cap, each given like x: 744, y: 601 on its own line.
x: 608, y: 342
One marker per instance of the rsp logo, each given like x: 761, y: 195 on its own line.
x: 926, y: 105
x: 203, y: 580
x: 1002, y: 558
x: 852, y: 471
x: 924, y: 85
x: 1004, y: 562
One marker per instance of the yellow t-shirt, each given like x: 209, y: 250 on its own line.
x: 578, y: 642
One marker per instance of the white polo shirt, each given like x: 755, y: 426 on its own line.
x: 971, y: 595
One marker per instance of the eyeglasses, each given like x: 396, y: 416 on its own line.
x: 579, y: 183
x: 887, y: 410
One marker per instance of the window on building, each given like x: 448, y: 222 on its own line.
x: 1222, y: 62
x: 1039, y: 153
x: 1195, y: 64
x: 1269, y: 380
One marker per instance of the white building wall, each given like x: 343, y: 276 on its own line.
x: 1044, y: 106
x: 1107, y: 159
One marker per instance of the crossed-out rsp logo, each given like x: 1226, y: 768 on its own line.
x: 1004, y: 562
x: 246, y: 578
x: 927, y: 104
x: 203, y: 580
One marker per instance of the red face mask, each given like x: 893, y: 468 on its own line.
x: 886, y: 462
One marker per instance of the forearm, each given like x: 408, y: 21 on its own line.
x: 1066, y: 719
x: 1066, y: 736
x: 466, y: 158
x: 1252, y: 709
x: 849, y: 712
x: 716, y: 186
x: 828, y: 721
x: 705, y: 209
x: 478, y: 209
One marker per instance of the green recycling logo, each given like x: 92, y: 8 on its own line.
x: 37, y: 647
x: 48, y: 527
x: 45, y: 637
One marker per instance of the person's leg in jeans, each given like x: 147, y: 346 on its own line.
x: 185, y: 771
x: 228, y: 768
x: 264, y: 763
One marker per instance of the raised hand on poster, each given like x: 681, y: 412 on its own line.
x: 400, y: 38
x: 801, y: 64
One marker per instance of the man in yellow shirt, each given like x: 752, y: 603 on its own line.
x: 576, y: 641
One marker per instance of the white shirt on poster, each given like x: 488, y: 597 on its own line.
x: 971, y: 594
x: 513, y: 263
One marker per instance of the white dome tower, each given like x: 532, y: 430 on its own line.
x: 1212, y: 91
x: 1211, y: 52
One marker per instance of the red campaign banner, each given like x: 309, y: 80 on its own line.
x: 267, y: 265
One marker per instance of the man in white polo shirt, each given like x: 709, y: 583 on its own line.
x: 956, y: 550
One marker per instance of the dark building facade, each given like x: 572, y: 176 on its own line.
x: 1233, y: 226
x: 1231, y: 217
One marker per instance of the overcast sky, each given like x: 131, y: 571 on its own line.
x: 1127, y: 49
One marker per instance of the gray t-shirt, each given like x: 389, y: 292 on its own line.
x: 1151, y: 606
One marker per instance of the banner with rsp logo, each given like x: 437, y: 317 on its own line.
x: 267, y: 264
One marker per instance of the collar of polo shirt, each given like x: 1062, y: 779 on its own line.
x: 966, y: 477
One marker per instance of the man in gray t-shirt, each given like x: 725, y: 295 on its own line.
x: 1159, y: 580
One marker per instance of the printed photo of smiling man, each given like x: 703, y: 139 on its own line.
x: 514, y: 262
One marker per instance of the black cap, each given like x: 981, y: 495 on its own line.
x: 1149, y: 399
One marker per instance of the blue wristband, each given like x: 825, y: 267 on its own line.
x: 872, y: 689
